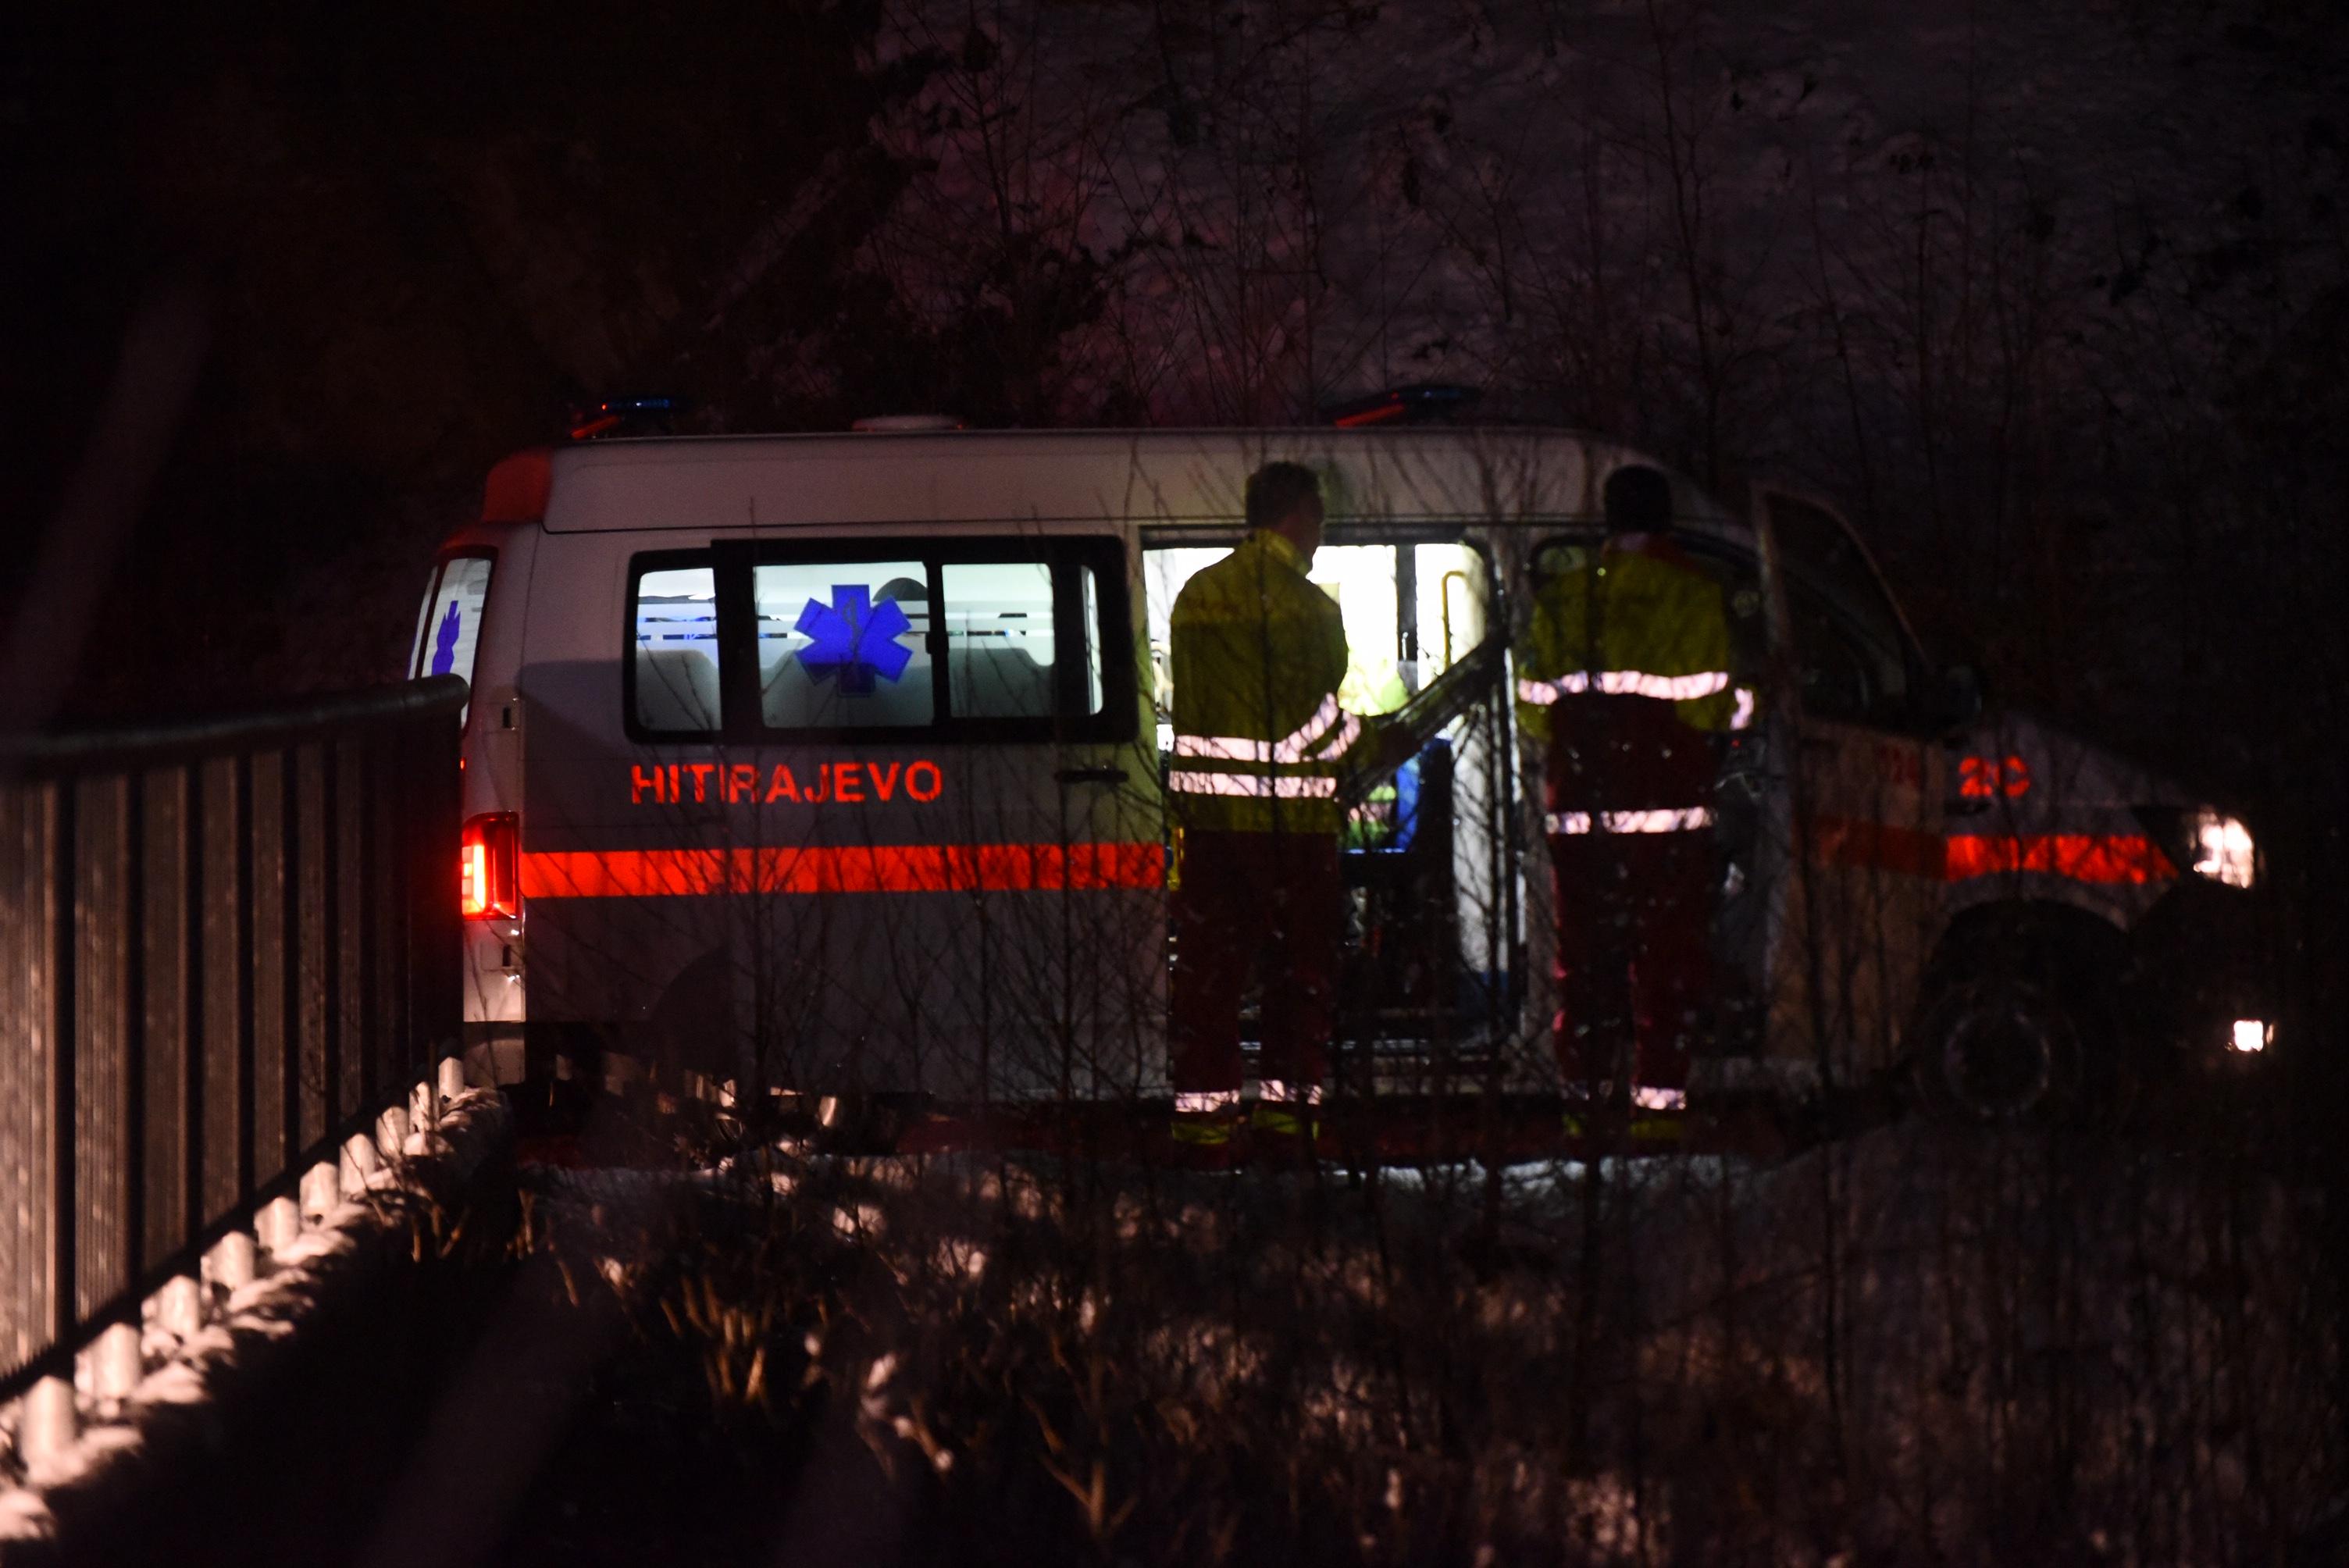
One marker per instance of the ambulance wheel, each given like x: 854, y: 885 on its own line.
x: 1999, y: 1048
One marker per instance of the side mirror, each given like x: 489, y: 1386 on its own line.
x: 1963, y: 693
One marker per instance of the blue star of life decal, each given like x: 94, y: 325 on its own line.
x: 444, y: 645
x: 854, y: 638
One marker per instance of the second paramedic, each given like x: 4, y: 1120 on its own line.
x: 1623, y: 677
x: 1256, y: 651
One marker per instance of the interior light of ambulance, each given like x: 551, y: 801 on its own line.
x: 1444, y: 597
x: 488, y: 878
x: 1450, y: 614
x: 1361, y: 579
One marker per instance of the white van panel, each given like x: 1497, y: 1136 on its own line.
x: 980, y: 920
x: 761, y: 483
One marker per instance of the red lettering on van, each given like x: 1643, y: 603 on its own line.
x: 1900, y: 765
x: 848, y: 783
x: 1985, y: 778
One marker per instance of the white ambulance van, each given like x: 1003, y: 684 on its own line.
x: 831, y: 764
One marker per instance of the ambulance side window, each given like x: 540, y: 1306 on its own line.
x: 846, y: 644
x: 998, y: 638
x: 1001, y: 639
x: 673, y: 616
x: 449, y: 629
x: 1850, y: 646
x: 1089, y: 577
x: 1851, y: 657
x: 1841, y: 679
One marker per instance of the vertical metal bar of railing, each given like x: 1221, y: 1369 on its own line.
x: 348, y: 878
x: 161, y: 1022
x: 57, y: 867
x: 313, y: 932
x: 220, y: 884
x: 98, y: 1218
x: 224, y: 950
x: 380, y: 1010
x: 29, y: 1016
x: 19, y: 1064
x: 436, y: 937
x: 189, y: 1113
x: 270, y: 845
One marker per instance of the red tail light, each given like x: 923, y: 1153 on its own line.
x: 488, y: 880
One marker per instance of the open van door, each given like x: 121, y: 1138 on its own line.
x: 1864, y: 785
x: 1428, y: 855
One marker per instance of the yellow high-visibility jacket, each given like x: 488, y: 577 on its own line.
x: 1257, y: 652
x: 1628, y: 624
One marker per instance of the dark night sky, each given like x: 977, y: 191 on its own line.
x: 2053, y: 301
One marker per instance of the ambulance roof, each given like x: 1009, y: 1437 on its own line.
x: 1174, y: 477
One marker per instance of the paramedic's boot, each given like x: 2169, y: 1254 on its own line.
x: 1587, y: 1115
x: 1658, y: 1127
x: 1205, y: 1139
x: 1659, y: 1115
x: 1644, y: 1127
x: 1285, y: 1131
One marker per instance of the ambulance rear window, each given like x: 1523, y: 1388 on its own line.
x: 1009, y: 639
x: 449, y: 629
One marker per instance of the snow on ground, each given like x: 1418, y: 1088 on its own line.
x: 196, y: 1398
x: 1922, y: 1341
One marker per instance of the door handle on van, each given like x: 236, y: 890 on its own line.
x: 1090, y: 776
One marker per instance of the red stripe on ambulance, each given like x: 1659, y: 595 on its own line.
x: 873, y: 868
x: 2082, y: 857
x: 2129, y: 858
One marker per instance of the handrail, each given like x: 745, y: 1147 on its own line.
x: 226, y: 946
x: 144, y: 744
x: 1471, y: 679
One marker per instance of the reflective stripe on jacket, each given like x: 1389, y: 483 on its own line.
x: 1648, y: 624
x: 1257, y: 652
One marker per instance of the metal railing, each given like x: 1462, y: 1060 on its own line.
x: 224, y: 947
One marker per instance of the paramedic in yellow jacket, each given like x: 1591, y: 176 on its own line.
x: 1257, y: 655
x: 1623, y: 677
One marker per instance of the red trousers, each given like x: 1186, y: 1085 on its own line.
x: 1634, y: 954
x: 1634, y: 909
x: 1270, y: 903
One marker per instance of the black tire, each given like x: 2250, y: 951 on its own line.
x: 1998, y: 1047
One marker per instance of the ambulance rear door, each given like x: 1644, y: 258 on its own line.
x: 878, y: 815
